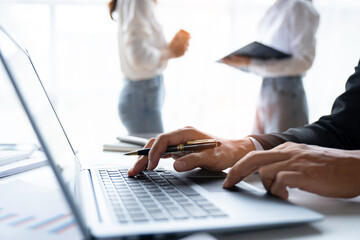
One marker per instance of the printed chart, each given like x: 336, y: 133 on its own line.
x: 35, y: 212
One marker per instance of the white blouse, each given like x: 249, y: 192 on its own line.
x: 289, y: 26
x: 141, y: 40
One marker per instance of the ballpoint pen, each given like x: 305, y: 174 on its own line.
x: 195, y: 145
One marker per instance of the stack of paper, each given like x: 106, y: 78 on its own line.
x: 16, y: 158
x: 128, y: 143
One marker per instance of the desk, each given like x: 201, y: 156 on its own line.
x: 342, y: 217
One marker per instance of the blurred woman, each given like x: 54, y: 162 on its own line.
x: 144, y: 54
x: 289, y: 26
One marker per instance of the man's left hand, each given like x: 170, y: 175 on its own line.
x: 324, y: 171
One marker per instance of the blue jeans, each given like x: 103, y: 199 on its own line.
x: 140, y: 105
x: 282, y: 105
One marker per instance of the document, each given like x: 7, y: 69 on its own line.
x: 129, y: 143
x: 29, y: 211
x: 121, y: 147
x: 37, y: 159
x: 138, y: 139
x: 11, y: 152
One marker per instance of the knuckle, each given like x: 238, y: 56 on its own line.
x: 267, y: 183
x: 281, y: 177
x: 287, y: 144
x: 262, y: 172
x: 151, y: 141
x: 162, y: 137
x: 251, y: 154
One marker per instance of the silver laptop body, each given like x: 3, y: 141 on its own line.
x: 108, y: 204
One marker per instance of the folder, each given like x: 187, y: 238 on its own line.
x: 259, y: 51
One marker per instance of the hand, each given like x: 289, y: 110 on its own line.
x: 216, y: 159
x: 179, y: 44
x: 237, y: 61
x: 325, y: 171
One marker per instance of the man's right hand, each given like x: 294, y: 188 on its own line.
x: 215, y: 159
x: 179, y: 44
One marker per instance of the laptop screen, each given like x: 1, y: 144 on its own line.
x: 31, y: 92
x: 39, y: 106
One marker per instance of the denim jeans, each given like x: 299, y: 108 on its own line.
x: 282, y: 105
x: 140, y: 105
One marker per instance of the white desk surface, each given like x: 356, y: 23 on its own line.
x: 342, y: 217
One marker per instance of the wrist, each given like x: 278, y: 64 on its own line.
x: 241, y: 147
x: 166, y: 54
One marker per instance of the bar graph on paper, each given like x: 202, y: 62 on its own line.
x: 35, y: 213
x: 54, y: 225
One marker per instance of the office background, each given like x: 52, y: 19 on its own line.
x: 74, y: 46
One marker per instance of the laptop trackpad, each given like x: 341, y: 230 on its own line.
x: 212, y: 181
x: 211, y: 184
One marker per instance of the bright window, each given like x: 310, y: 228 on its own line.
x: 74, y: 46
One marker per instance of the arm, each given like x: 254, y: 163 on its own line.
x: 146, y: 56
x: 341, y: 129
x: 137, y: 37
x: 140, y: 37
x: 303, y: 23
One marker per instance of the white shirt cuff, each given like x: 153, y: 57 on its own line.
x: 256, y: 144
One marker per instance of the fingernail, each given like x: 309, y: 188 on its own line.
x: 180, y: 165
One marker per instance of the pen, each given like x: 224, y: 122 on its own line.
x: 195, y: 145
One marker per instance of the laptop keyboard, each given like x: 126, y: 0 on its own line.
x: 154, y: 196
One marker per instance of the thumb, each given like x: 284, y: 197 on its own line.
x: 187, y: 162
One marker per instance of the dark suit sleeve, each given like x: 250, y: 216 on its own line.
x: 340, y: 129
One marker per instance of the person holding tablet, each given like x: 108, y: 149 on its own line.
x: 144, y: 54
x: 289, y: 26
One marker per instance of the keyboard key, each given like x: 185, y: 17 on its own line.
x: 215, y: 212
x: 159, y: 216
x: 139, y: 217
x: 206, y: 205
x: 195, y: 211
x: 132, y: 205
x: 177, y: 213
x: 135, y: 210
x: 121, y: 218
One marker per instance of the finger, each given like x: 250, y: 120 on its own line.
x: 188, y: 162
x: 139, y: 166
x: 290, y: 179
x: 142, y: 162
x: 162, y: 141
x: 269, y: 172
x: 226, y: 61
x: 232, y: 61
x: 250, y: 163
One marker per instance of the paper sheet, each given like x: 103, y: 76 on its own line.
x: 29, y: 211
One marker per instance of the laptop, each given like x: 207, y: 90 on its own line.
x: 162, y: 203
